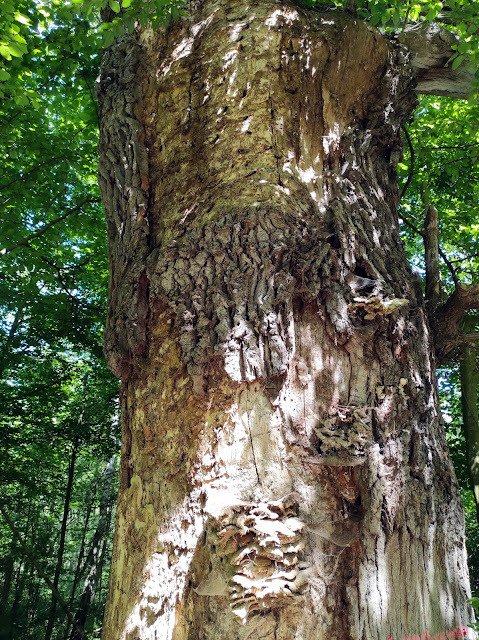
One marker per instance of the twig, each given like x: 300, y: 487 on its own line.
x: 43, y: 164
x: 458, y: 146
x: 59, y: 270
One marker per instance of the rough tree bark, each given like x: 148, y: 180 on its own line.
x: 284, y: 467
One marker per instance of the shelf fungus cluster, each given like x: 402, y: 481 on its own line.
x: 374, y: 307
x: 263, y: 545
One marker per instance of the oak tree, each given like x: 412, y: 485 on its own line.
x: 284, y: 468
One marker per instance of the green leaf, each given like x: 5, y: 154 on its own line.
x: 114, y: 6
x: 107, y: 39
x: 126, y: 3
x: 16, y: 49
x: 5, y: 52
x: 21, y: 100
x: 22, y: 19
x: 457, y: 62
x: 4, y: 75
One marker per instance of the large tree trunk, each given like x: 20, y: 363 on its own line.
x: 284, y: 469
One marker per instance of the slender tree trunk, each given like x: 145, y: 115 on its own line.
x: 431, y: 250
x: 469, y: 383
x: 33, y: 602
x: 38, y: 569
x: 18, y: 596
x: 10, y: 617
x: 284, y: 468
x: 61, y: 546
x: 6, y: 347
x: 94, y: 559
x: 80, y: 566
x: 8, y: 564
x: 7, y: 575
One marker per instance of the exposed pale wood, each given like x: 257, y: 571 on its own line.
x: 431, y: 49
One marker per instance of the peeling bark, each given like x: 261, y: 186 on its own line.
x: 284, y: 469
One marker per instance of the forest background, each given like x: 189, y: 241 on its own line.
x: 59, y: 433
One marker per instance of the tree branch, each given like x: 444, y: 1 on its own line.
x: 432, y: 47
x: 63, y: 285
x: 25, y: 242
x: 447, y: 262
x: 431, y: 249
x: 447, y: 319
x: 413, y: 158
x: 470, y: 418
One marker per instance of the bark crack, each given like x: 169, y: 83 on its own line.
x: 252, y: 449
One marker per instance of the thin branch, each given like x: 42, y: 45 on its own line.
x: 17, y: 321
x: 469, y: 257
x: 433, y: 285
x: 42, y: 164
x: 447, y: 262
x: 63, y: 285
x: 444, y: 164
x: 36, y: 391
x: 432, y: 168
x: 41, y: 572
x: 26, y: 173
x: 458, y: 146
x: 25, y: 242
x: 413, y: 227
x: 91, y: 91
x: 411, y: 168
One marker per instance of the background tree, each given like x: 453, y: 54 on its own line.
x: 445, y: 164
